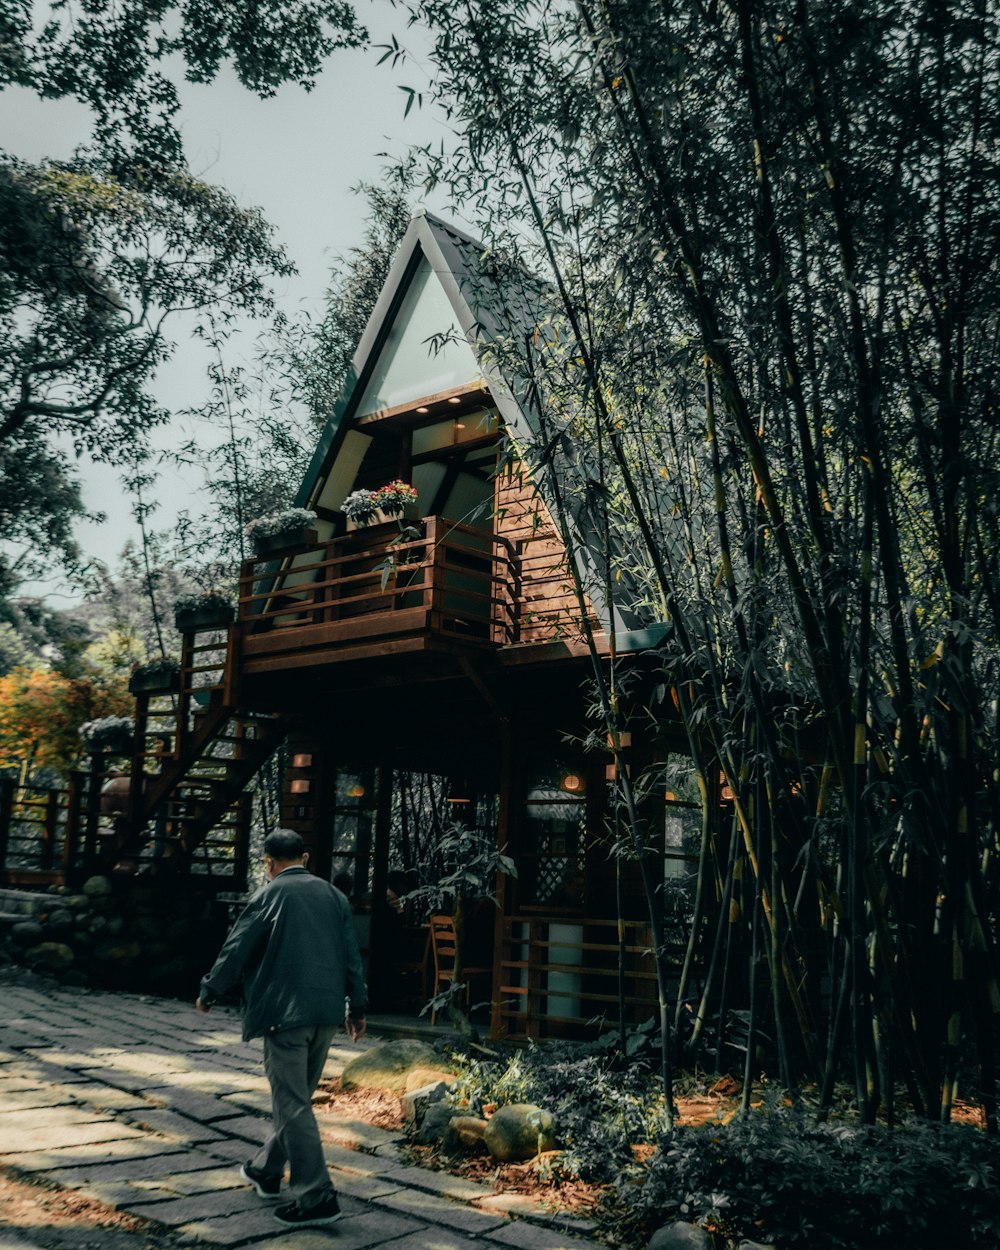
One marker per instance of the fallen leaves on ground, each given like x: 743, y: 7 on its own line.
x: 374, y: 1106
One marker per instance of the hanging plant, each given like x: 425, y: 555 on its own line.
x: 156, y: 677
x: 207, y: 610
x: 291, y: 528
x: 112, y: 734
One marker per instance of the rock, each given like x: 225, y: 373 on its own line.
x: 387, y: 1065
x: 418, y: 1078
x: 53, y: 956
x: 416, y: 1101
x: 754, y: 1245
x: 60, y: 920
x: 467, y: 1131
x: 78, y: 902
x: 96, y: 887
x: 434, y: 1125
x: 76, y: 978
x: 27, y: 932
x: 519, y: 1131
x: 680, y: 1236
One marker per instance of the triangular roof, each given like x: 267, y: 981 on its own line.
x: 435, y: 259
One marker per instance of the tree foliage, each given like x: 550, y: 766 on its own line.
x: 762, y: 374
x: 41, y: 711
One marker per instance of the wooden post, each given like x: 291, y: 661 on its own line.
x: 378, y: 956
x: 7, y: 787
x: 137, y: 775
x: 49, y: 822
x: 71, y: 835
x: 93, y: 811
x: 506, y: 825
x: 241, y: 844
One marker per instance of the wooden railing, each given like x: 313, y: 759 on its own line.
x: 450, y: 580
x: 558, y: 974
x: 40, y: 829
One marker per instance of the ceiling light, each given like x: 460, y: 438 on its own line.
x: 357, y: 791
x: 423, y: 410
x: 454, y: 399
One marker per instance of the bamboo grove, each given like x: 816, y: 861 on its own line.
x: 768, y: 234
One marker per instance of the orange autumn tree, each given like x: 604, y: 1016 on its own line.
x: 41, y: 711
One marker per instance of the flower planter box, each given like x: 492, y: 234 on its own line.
x: 211, y: 616
x: 268, y: 544
x: 410, y: 513
x: 163, y: 681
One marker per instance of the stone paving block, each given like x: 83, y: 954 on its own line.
x: 172, y: 1125
x: 520, y: 1235
x: 232, y: 1148
x: 14, y: 1120
x: 14, y: 1241
x: 357, y: 1232
x: 436, y: 1239
x: 82, y: 1154
x: 107, y: 1098
x: 49, y: 1137
x: 364, y: 1188
x: 249, y: 1100
x: 26, y: 1098
x: 248, y: 1128
x: 354, y: 1133
x: 217, y: 1203
x: 195, y: 1104
x: 442, y: 1184
x: 152, y: 1167
x: 434, y: 1210
x: 207, y: 1180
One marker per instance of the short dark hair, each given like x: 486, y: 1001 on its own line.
x: 284, y: 844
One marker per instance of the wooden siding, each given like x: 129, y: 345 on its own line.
x: 548, y: 608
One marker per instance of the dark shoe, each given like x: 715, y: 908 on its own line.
x: 268, y: 1187
x: 293, y: 1216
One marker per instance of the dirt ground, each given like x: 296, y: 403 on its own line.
x: 62, y: 1219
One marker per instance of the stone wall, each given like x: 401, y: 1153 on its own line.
x: 125, y: 934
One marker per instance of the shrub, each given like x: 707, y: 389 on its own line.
x: 601, y: 1109
x: 781, y: 1175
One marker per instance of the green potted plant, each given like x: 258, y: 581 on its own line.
x: 396, y: 501
x: 294, y: 527
x: 114, y: 735
x: 162, y: 676
x: 206, y: 610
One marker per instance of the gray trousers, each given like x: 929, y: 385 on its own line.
x: 293, y: 1061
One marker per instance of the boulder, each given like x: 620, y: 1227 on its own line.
x: 434, y: 1125
x: 519, y: 1131
x: 96, y: 887
x: 418, y: 1078
x: 467, y: 1131
x: 754, y: 1245
x: 416, y: 1101
x: 388, y: 1064
x: 680, y: 1236
x: 26, y: 933
x: 60, y: 920
x: 77, y: 902
x: 52, y: 956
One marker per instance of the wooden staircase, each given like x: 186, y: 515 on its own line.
x: 189, y: 803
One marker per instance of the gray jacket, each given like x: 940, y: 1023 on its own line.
x: 295, y: 951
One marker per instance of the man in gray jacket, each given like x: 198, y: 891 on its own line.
x: 295, y: 954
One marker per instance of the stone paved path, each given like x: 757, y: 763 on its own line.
x: 149, y: 1107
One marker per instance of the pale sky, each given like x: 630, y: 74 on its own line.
x: 296, y: 156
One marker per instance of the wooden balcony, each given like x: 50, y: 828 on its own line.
x: 375, y: 591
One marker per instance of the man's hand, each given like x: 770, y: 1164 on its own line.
x: 202, y: 1007
x: 355, y: 1027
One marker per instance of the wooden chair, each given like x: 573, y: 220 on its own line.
x: 443, y: 944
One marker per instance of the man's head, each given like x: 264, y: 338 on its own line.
x: 282, y: 849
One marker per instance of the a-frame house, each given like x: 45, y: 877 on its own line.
x: 450, y: 643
